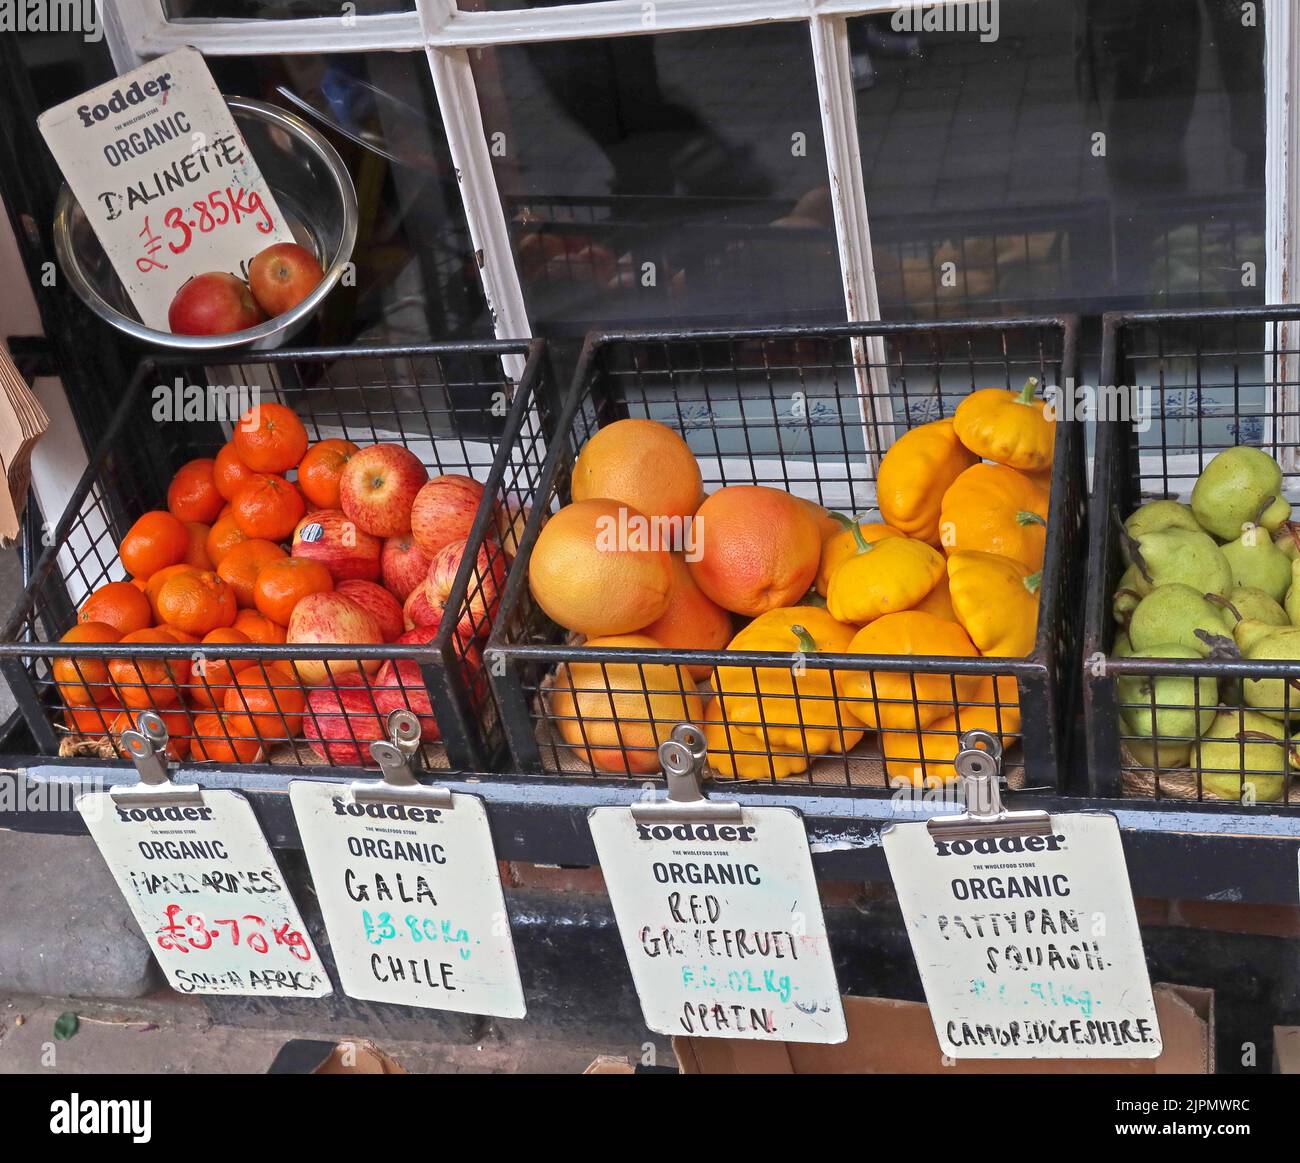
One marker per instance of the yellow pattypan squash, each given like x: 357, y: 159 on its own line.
x: 838, y: 549
x: 938, y: 601
x: 901, y: 700
x: 997, y: 510
x: 793, y: 706
x: 892, y: 575
x: 1010, y: 428
x: 735, y: 753
x: 995, y: 599
x: 915, y: 473
x: 925, y: 757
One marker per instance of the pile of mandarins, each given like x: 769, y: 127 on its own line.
x: 277, y: 540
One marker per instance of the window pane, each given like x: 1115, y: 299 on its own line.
x: 277, y: 9
x: 664, y: 180
x: 416, y: 275
x: 1098, y: 154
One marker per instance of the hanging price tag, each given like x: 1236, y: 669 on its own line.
x: 719, y: 911
x: 1023, y: 928
x: 410, y: 889
x: 164, y: 178
x: 205, y: 891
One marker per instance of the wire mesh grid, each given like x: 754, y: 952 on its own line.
x: 251, y: 696
x: 799, y: 697
x: 1211, y: 721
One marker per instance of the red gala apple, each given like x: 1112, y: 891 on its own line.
x: 327, y: 619
x: 399, y: 685
x: 341, y: 724
x: 444, y: 511
x: 482, y: 592
x: 387, y: 610
x: 404, y: 565
x: 216, y: 303
x: 417, y: 612
x: 330, y: 537
x: 282, y: 276
x: 378, y: 487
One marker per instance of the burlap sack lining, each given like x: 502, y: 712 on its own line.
x: 1179, y: 783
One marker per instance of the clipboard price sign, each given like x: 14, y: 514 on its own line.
x: 205, y: 890
x: 1025, y: 934
x: 164, y: 177
x: 410, y: 889
x: 721, y: 921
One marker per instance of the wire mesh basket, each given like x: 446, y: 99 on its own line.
x: 808, y: 411
x: 472, y: 410
x: 1214, y: 728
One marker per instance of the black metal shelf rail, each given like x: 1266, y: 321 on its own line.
x: 1212, y: 379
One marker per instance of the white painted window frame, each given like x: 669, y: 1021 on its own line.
x: 137, y: 30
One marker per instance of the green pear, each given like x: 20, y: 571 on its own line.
x: 1178, y: 613
x: 1287, y: 539
x: 1123, y: 646
x: 1256, y: 606
x: 1133, y: 587
x: 1257, y: 562
x: 1291, y: 603
x: 1250, y: 630
x: 1239, y: 487
x: 1244, y: 756
x: 1165, y: 714
x: 1182, y: 555
x: 1157, y: 515
x: 1278, y: 698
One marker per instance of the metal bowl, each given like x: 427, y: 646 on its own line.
x: 315, y: 195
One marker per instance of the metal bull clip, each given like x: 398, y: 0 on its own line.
x: 682, y: 757
x: 979, y: 775
x: 146, y: 747
x: 396, y: 757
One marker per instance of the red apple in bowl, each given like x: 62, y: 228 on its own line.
x: 378, y: 488
x: 327, y: 619
x: 215, y: 303
x: 482, y: 591
x: 282, y: 276
x: 387, y: 610
x: 404, y: 565
x: 333, y: 539
x: 340, y: 724
x: 444, y: 511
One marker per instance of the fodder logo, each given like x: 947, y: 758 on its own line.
x: 52, y: 16
x: 998, y: 845
x: 978, y: 16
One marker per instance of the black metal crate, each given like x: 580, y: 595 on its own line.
x: 1196, y: 383
x: 808, y: 410
x: 475, y: 409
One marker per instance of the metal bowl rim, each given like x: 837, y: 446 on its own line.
x: 291, y: 123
